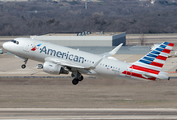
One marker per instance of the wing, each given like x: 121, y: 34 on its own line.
x: 114, y: 51
x: 69, y: 64
x: 62, y: 62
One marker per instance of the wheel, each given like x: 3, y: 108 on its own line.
x: 81, y: 78
x: 75, y: 81
x: 23, y: 66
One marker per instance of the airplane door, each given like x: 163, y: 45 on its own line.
x: 28, y: 46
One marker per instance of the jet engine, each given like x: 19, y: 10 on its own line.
x: 53, y: 68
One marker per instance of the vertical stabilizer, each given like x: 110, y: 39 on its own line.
x: 149, y: 66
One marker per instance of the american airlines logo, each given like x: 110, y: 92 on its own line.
x: 35, y: 47
x: 60, y: 54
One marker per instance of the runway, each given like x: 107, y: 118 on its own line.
x: 84, y: 113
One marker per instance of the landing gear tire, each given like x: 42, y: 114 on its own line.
x: 81, y: 78
x: 75, y: 81
x: 23, y: 66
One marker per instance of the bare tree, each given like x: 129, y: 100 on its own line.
x: 142, y: 40
x: 132, y: 16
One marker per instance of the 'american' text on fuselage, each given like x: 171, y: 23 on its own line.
x: 61, y: 54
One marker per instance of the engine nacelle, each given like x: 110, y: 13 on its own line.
x: 53, y: 68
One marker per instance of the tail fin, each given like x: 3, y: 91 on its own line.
x: 157, y: 57
x: 149, y: 66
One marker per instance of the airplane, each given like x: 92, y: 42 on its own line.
x: 62, y: 60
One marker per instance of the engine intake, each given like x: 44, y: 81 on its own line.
x: 53, y: 68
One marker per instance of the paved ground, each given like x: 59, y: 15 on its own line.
x: 87, y: 114
x: 90, y: 93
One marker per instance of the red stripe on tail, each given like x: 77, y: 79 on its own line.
x: 166, y: 51
x: 156, y: 64
x: 138, y: 75
x: 145, y: 69
x: 161, y: 57
x: 171, y: 44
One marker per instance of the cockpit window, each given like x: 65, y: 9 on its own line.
x: 14, y: 41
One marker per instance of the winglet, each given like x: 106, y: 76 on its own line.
x: 94, y: 66
x: 114, y: 51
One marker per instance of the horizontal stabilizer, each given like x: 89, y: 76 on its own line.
x: 161, y: 76
x: 148, y: 75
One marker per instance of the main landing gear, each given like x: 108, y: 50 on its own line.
x: 77, y: 79
x: 24, y: 65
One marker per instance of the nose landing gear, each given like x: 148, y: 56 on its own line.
x: 24, y: 65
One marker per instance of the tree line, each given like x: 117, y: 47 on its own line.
x: 47, y: 16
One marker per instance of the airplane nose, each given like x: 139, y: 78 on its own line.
x: 5, y: 45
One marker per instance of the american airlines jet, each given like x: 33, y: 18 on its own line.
x: 62, y: 60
